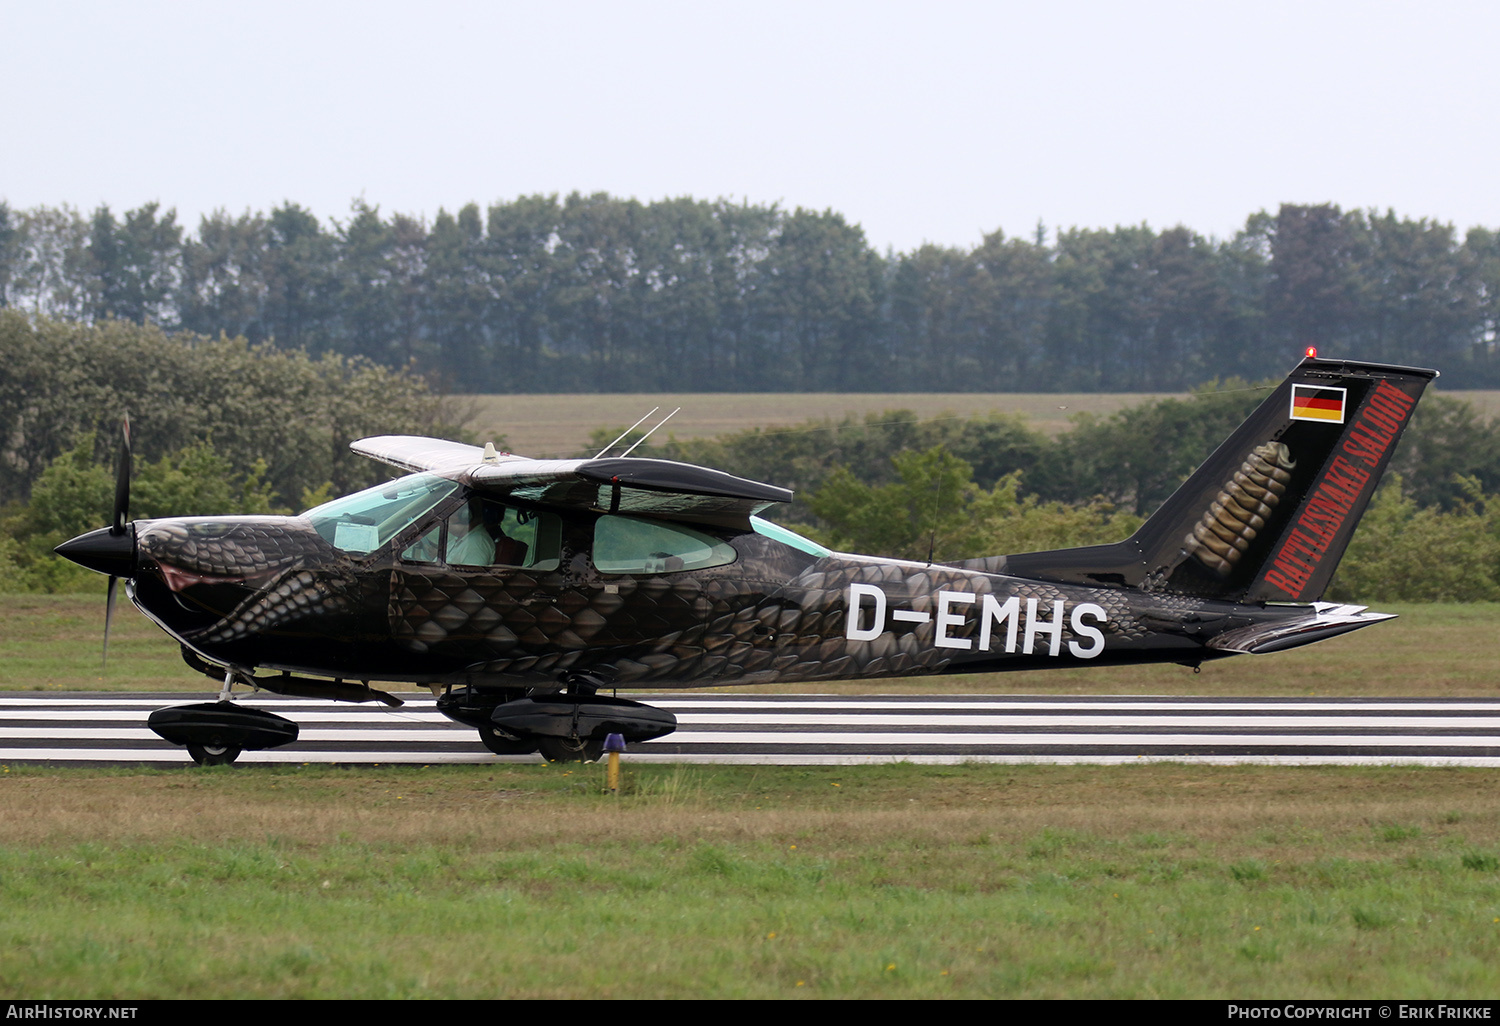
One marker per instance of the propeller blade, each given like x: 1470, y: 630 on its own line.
x: 122, y: 486
x: 109, y: 613
x: 117, y: 524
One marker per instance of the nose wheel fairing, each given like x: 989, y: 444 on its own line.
x: 216, y: 732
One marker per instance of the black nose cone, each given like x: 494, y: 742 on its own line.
x: 107, y: 553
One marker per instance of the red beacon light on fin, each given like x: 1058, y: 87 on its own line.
x: 1312, y: 352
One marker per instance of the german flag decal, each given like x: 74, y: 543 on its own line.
x: 1315, y: 402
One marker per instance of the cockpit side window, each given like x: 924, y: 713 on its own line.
x: 484, y: 533
x: 366, y: 520
x: 632, y: 545
x: 426, y: 548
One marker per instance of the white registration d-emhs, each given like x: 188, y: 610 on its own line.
x: 993, y: 614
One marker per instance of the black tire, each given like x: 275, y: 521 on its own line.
x: 565, y: 749
x: 504, y: 745
x: 213, y: 755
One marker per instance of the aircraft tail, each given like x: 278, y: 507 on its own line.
x: 1267, y: 516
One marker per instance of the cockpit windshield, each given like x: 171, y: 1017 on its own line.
x: 366, y: 520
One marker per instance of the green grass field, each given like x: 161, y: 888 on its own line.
x: 1147, y: 881
x: 1157, y: 881
x: 559, y: 425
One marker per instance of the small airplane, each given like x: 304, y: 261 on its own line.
x: 520, y: 591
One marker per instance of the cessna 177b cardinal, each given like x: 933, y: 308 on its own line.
x: 520, y: 590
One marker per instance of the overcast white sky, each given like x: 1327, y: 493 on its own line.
x: 931, y: 122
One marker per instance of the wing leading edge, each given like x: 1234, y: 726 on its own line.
x: 649, y: 487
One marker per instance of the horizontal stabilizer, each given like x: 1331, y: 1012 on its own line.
x: 1322, y: 620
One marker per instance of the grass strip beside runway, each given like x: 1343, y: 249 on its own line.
x: 881, y: 881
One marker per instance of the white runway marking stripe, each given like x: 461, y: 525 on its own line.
x: 96, y: 728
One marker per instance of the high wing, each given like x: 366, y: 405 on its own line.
x: 660, y: 488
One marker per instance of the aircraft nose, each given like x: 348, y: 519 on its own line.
x: 102, y: 551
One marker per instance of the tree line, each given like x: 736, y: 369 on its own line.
x: 598, y: 293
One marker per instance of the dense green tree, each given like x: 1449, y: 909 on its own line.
x: 935, y: 321
x: 224, y: 288
x: 1014, y: 295
x: 459, y: 297
x: 1416, y: 292
x: 928, y: 512
x: 1403, y: 552
x: 1481, y: 365
x: 678, y: 247
x: 50, y: 278
x: 1138, y: 456
x: 1447, y: 447
x: 133, y: 266
x: 1313, y: 286
x: 820, y: 298
x: 593, y: 303
x: 63, y: 381
x: 369, y: 296
x: 10, y: 252
x: 519, y: 268
x: 935, y: 510
x: 300, y: 275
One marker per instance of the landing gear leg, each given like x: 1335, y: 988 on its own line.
x: 231, y: 675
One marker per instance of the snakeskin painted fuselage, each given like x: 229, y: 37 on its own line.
x: 271, y: 593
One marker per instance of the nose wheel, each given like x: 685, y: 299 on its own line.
x: 213, y: 753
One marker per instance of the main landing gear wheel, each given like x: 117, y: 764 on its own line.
x: 504, y: 745
x: 569, y: 749
x: 213, y: 754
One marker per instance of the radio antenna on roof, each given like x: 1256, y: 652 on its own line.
x: 648, y: 434
x: 627, y: 431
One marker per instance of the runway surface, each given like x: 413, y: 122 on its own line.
x: 110, y: 728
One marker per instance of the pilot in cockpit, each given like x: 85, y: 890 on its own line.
x: 476, y: 537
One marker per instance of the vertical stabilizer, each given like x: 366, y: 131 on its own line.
x: 1267, y: 516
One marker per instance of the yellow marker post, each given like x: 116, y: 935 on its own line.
x: 614, y: 744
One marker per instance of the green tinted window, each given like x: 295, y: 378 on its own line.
x: 425, y: 548
x: 631, y: 545
x: 366, y: 520
x: 483, y: 532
